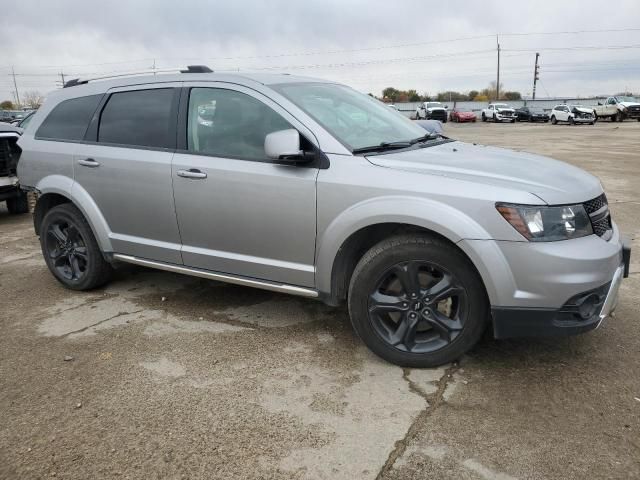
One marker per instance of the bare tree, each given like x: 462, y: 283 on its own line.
x: 33, y: 99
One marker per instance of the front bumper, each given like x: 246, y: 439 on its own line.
x: 580, y: 313
x: 505, y: 118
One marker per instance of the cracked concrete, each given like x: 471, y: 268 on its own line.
x: 218, y: 381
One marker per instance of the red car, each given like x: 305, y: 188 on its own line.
x: 462, y: 115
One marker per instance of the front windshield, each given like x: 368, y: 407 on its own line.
x: 433, y: 104
x: 500, y: 105
x: 627, y: 99
x: 355, y: 119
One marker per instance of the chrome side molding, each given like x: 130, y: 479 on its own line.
x: 221, y: 277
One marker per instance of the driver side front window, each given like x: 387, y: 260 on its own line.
x: 227, y: 123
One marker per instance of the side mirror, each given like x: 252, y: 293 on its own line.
x: 283, y: 147
x: 446, y: 107
x: 599, y: 103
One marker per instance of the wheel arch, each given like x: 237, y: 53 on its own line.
x: 56, y: 190
x: 350, y: 235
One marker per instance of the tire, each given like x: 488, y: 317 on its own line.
x: 619, y: 117
x: 484, y: 117
x: 571, y: 121
x: 19, y: 204
x: 613, y: 118
x: 79, y: 264
x: 434, y: 337
x: 495, y: 119
x: 513, y: 121
x: 553, y: 120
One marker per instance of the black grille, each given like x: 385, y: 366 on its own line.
x: 8, y: 158
x: 600, y: 220
x: 438, y: 115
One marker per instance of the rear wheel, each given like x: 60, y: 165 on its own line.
x: 19, y: 204
x: 70, y: 249
x: 417, y: 301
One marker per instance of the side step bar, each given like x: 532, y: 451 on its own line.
x: 221, y: 277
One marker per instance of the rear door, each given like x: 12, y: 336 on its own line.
x: 239, y: 212
x: 125, y: 166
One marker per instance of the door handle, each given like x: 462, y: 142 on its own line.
x: 88, y: 162
x: 192, y: 173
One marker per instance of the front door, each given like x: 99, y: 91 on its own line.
x: 238, y: 212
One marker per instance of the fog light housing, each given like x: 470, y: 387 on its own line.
x: 589, y: 306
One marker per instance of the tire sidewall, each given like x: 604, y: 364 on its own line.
x: 368, y: 275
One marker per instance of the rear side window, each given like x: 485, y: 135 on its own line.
x: 69, y: 119
x: 140, y: 118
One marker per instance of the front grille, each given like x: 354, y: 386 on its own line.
x: 8, y: 156
x: 598, y: 211
x: 438, y: 115
x: 506, y: 114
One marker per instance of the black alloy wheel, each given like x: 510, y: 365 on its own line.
x: 70, y: 249
x: 418, y: 307
x: 67, y: 250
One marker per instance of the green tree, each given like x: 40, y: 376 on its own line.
x: 472, y: 94
x: 6, y: 105
x: 390, y: 94
x: 512, y: 96
x: 413, y: 96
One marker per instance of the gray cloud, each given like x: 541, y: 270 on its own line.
x: 41, y: 38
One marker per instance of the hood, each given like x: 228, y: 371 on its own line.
x: 582, y: 110
x: 436, y: 108
x: 629, y: 104
x: 505, y: 110
x: 466, y: 114
x: 552, y: 181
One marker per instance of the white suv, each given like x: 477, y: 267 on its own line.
x: 572, y: 114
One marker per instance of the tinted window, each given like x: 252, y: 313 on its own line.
x: 140, y: 117
x: 226, y: 123
x: 69, y: 119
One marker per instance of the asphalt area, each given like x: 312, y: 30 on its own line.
x: 166, y: 376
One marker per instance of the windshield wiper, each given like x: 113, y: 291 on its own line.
x: 382, y: 146
x: 393, y: 145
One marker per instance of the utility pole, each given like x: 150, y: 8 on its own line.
x: 15, y: 85
x: 536, y: 76
x: 498, y: 74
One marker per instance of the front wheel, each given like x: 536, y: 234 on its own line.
x: 554, y: 121
x: 572, y: 121
x: 417, y: 301
x: 484, y: 117
x: 70, y: 249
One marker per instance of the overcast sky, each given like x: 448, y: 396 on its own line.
x: 367, y: 44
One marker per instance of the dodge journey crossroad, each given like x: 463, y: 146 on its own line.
x: 308, y: 187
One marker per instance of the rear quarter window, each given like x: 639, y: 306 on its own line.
x: 69, y: 119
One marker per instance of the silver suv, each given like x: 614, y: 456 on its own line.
x: 308, y: 187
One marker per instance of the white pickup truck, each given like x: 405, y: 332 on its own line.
x: 432, y: 111
x: 618, y: 108
x: 499, y: 112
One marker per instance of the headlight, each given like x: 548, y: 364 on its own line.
x: 547, y: 224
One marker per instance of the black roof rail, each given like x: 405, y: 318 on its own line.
x: 73, y: 82
x: 197, y: 69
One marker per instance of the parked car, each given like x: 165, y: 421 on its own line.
x: 10, y: 191
x: 618, y: 108
x: 24, y: 121
x: 531, y: 114
x: 432, y: 111
x: 499, y: 112
x: 572, y: 114
x: 462, y: 115
x: 310, y: 188
x: 431, y: 126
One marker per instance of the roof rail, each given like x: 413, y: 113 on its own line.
x: 190, y: 69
